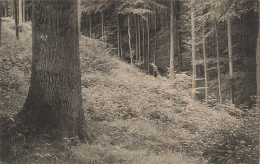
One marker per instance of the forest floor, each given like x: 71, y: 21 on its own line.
x: 134, y: 117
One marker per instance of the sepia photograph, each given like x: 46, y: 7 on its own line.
x: 129, y: 81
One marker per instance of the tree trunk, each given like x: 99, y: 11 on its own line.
x: 23, y: 10
x: 118, y: 36
x: 139, y: 39
x: 79, y: 17
x: 102, y: 25
x: 258, y: 61
x: 1, y: 23
x: 16, y: 20
x: 143, y: 35
x: 136, y: 39
x: 20, y: 11
x: 205, y: 63
x: 121, y: 45
x: 54, y: 102
x: 148, y: 44
x: 155, y: 47
x: 129, y: 38
x: 218, y: 65
x: 171, y: 72
x: 230, y: 54
x: 193, y: 51
x: 90, y: 25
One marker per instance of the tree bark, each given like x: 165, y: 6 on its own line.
x: 90, y: 25
x: 54, y: 102
x: 194, y: 72
x: 23, y: 10
x: 118, y: 36
x: 148, y: 44
x: 129, y: 38
x: 258, y: 61
x: 230, y: 54
x: 20, y: 11
x: 139, y: 39
x: 171, y: 72
x: 16, y: 20
x: 155, y: 47
x: 79, y: 17
x: 143, y: 44
x: 218, y: 65
x: 1, y: 23
x: 205, y: 63
x: 136, y: 39
x: 102, y: 25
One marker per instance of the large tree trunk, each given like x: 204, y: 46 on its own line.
x: 230, y: 54
x: 54, y: 102
x: 16, y: 20
x: 205, y: 63
x: 1, y: 23
x: 129, y: 38
x: 218, y: 65
x: 20, y: 11
x: 194, y: 72
x: 171, y: 38
x: 258, y: 61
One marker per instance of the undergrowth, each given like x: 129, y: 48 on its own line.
x: 134, y: 117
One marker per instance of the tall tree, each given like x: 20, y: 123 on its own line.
x: 1, y: 22
x: 20, y: 11
x: 23, y: 10
x: 129, y: 38
x: 16, y: 19
x: 230, y: 54
x: 54, y: 102
x: 205, y: 62
x: 258, y: 60
x: 172, y: 38
x: 218, y: 64
x: 193, y: 51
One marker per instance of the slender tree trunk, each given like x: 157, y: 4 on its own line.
x: 121, y: 45
x: 20, y: 11
x: 148, y: 44
x: 118, y: 36
x: 90, y: 25
x: 136, y: 40
x: 54, y: 102
x: 143, y: 35
x: 139, y: 39
x: 218, y: 64
x: 155, y: 47
x: 171, y: 72
x: 129, y: 38
x: 23, y: 10
x: 79, y: 17
x: 205, y: 63
x: 193, y: 51
x: 230, y: 54
x: 16, y: 20
x: 102, y: 25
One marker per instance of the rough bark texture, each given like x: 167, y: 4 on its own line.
x: 230, y: 54
x: 54, y: 102
x: 194, y: 72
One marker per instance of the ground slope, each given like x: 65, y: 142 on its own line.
x: 135, y: 118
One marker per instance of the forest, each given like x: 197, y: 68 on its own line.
x: 129, y: 81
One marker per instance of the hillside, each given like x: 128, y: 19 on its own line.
x: 134, y: 117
